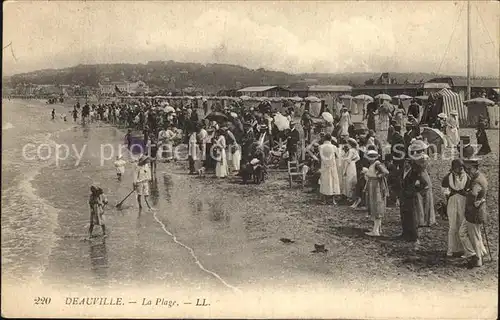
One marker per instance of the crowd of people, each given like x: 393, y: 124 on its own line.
x: 344, y: 161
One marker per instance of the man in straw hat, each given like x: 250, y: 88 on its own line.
x: 142, y: 177
x: 475, y: 215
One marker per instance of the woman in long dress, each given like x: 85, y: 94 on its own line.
x: 329, y: 179
x: 424, y: 199
x: 344, y: 123
x: 399, y: 116
x: 383, y: 116
x: 482, y: 139
x: 376, y: 191
x: 452, y: 126
x: 454, y: 187
x: 349, y: 174
x: 221, y: 169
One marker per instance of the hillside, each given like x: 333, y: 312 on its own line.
x: 173, y: 75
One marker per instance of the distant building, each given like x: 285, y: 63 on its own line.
x: 328, y: 91
x: 124, y: 87
x: 479, y: 87
x: 410, y: 89
x: 264, y: 91
x: 433, y: 87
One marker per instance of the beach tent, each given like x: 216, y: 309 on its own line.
x: 445, y: 101
x: 475, y: 111
x: 482, y: 107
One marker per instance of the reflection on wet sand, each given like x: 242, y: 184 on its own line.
x: 154, y: 196
x: 167, y: 182
x: 99, y: 260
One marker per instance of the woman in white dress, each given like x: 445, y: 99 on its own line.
x: 329, y: 179
x: 221, y: 169
x: 344, y: 123
x: 452, y: 125
x: 348, y: 172
x: 454, y: 186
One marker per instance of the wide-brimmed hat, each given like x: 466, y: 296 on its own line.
x: 471, y: 162
x: 442, y: 115
x: 372, y: 154
x: 454, y: 112
x: 352, y: 142
x: 418, y: 145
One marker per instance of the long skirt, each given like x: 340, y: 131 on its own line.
x: 221, y: 169
x: 453, y: 136
x: 236, y: 159
x: 383, y: 120
x: 349, y: 180
x: 409, y: 219
x: 472, y: 240
x: 424, y: 206
x: 375, y: 200
x: 456, y: 215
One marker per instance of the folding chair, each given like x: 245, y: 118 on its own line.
x: 294, y: 171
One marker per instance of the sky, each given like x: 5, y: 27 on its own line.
x: 295, y: 37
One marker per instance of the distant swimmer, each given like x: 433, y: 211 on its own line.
x: 97, y: 201
x: 53, y: 114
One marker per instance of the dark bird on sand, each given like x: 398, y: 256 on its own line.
x: 319, y: 248
x: 286, y: 240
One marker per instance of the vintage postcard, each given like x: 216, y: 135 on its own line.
x: 250, y: 159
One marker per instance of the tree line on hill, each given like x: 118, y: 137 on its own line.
x: 214, y: 77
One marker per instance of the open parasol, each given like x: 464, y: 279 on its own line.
x: 281, y: 122
x: 244, y: 98
x: 435, y: 139
x: 297, y: 99
x: 363, y: 97
x: 312, y: 99
x: 169, y: 109
x: 402, y: 97
x: 482, y: 101
x: 327, y: 116
x: 383, y: 96
x: 346, y: 96
x: 216, y: 116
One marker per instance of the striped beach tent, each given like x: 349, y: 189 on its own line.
x: 451, y: 101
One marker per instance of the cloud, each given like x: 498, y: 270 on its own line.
x: 317, y: 37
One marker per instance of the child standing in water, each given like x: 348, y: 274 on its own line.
x: 97, y: 201
x: 120, y: 167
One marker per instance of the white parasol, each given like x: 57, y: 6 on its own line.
x: 281, y: 122
x: 402, y: 97
x: 383, y: 96
x: 346, y: 96
x: 327, y: 116
x: 363, y: 97
x: 483, y: 101
x: 168, y: 109
x: 244, y: 98
x: 312, y: 99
